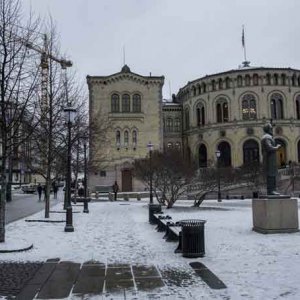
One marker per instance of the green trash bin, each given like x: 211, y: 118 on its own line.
x: 192, y: 235
x: 153, y: 209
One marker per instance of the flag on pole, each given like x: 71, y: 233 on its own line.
x: 243, y: 37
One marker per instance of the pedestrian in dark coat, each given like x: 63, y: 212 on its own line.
x: 115, y: 190
x: 39, y: 191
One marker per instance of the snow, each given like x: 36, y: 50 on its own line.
x: 252, y: 265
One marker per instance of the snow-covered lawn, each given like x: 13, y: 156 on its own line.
x: 252, y: 265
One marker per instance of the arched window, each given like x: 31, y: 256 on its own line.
x: 213, y: 85
x: 220, y: 84
x: 294, y: 79
x: 247, y: 80
x: 255, y: 79
x: 125, y: 103
x: 178, y: 146
x: 222, y: 110
x: 203, y: 87
x: 298, y: 80
x: 187, y: 118
x: 239, y: 81
x: 250, y: 152
x: 134, y: 138
x: 200, y: 115
x: 126, y: 138
x: 170, y: 145
x: 275, y: 79
x: 276, y: 106
x: 298, y: 107
x: 177, y: 125
x: 283, y: 79
x: 227, y: 82
x: 169, y: 125
x: 194, y: 91
x: 136, y: 103
x: 268, y: 79
x: 248, y: 107
x: 199, y: 89
x: 115, y: 103
x: 118, y: 138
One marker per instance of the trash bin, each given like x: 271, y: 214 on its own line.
x: 153, y: 209
x: 192, y: 234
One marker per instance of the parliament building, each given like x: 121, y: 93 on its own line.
x: 224, y: 111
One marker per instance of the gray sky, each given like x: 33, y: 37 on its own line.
x: 180, y: 39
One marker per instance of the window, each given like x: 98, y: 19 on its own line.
x: 255, y: 79
x: 177, y: 125
x: 200, y: 115
x: 118, y: 138
x: 220, y: 84
x: 213, y: 85
x: 169, y: 125
x: 136, y: 103
x: 248, y: 107
x: 203, y: 88
x: 294, y: 80
x: 134, y: 138
x: 125, y: 103
x: 250, y: 152
x: 187, y: 118
x: 126, y: 138
x: 298, y: 107
x: 227, y: 82
x: 276, y: 79
x: 194, y: 91
x: 283, y: 79
x: 115, y: 103
x: 268, y: 79
x: 170, y: 145
x: 239, y: 81
x: 102, y: 173
x: 276, y: 106
x: 199, y: 89
x: 178, y: 146
x: 298, y: 80
x: 222, y: 110
x: 247, y: 80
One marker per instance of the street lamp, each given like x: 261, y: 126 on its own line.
x: 70, y: 113
x: 85, y: 203
x: 218, y: 154
x: 150, y: 148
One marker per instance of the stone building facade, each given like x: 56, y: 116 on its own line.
x: 224, y: 111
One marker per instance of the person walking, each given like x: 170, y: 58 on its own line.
x: 55, y: 190
x: 115, y: 189
x: 39, y: 191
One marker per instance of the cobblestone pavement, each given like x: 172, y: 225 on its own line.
x: 14, y: 276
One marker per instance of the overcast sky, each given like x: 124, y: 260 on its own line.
x: 180, y: 39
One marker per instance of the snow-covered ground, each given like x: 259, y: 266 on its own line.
x: 252, y: 265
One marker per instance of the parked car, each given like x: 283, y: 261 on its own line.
x: 29, y: 189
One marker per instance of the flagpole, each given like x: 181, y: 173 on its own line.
x: 246, y: 63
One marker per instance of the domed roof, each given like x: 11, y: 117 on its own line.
x: 125, y: 69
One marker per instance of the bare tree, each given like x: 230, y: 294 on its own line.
x: 18, y: 83
x: 170, y: 174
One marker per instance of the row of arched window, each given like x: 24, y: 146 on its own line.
x: 126, y: 138
x: 248, y: 109
x: 241, y: 81
x: 125, y: 103
x: 175, y: 145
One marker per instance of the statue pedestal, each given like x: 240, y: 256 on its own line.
x: 275, y: 214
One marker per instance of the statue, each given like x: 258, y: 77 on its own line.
x: 269, y: 148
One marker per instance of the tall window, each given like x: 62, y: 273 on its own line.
x: 136, y: 103
x: 276, y: 79
x: 283, y: 79
x: 248, y: 107
x: 268, y: 79
x: 239, y: 81
x: 177, y: 125
x: 126, y: 138
x: 134, y: 138
x: 169, y: 125
x: 255, y: 79
x: 250, y: 152
x: 118, y: 137
x: 276, y: 106
x: 187, y: 118
x: 298, y: 107
x: 115, y: 103
x: 213, y: 85
x: 125, y: 103
x: 178, y: 146
x: 227, y: 82
x: 220, y: 84
x: 222, y: 110
x: 294, y: 79
x: 247, y: 80
x: 203, y: 88
x: 200, y: 114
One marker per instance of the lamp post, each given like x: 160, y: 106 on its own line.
x: 85, y: 203
x: 218, y: 154
x: 150, y: 148
x: 70, y: 113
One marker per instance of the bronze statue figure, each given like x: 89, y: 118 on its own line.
x: 269, y: 148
